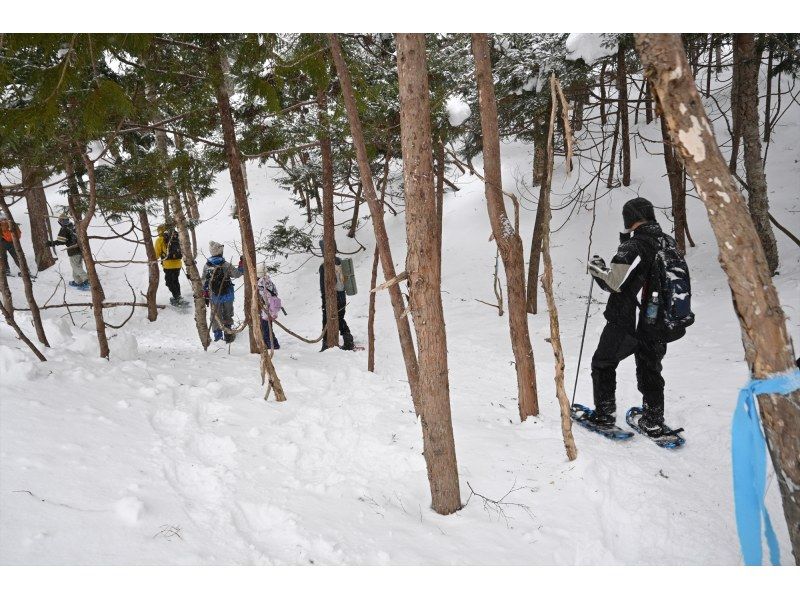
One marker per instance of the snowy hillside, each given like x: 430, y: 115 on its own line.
x: 168, y: 455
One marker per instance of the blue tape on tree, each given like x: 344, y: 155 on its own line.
x: 749, y: 455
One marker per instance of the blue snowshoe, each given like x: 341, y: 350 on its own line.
x: 583, y: 416
x: 662, y: 435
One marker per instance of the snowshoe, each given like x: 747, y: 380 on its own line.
x: 581, y: 415
x: 664, y: 437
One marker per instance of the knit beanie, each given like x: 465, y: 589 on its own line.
x: 636, y: 210
x: 215, y: 248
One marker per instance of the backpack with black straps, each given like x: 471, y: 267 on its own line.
x: 219, y: 282
x: 173, y: 247
x: 668, y: 311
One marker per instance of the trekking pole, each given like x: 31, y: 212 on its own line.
x: 583, y: 337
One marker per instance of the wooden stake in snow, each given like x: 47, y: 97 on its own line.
x: 767, y: 347
x: 547, y: 279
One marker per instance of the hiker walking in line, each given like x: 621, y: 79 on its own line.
x: 633, y: 271
x: 168, y: 249
x: 68, y: 237
x: 341, y: 303
x: 9, y: 230
x: 219, y: 292
x: 270, y: 306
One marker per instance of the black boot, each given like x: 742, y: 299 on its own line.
x: 603, y: 418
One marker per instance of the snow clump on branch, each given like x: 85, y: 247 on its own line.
x: 590, y: 46
x: 457, y: 110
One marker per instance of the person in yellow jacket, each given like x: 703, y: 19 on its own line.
x: 168, y: 250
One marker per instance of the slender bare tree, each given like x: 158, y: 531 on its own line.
x: 507, y: 238
x: 757, y: 199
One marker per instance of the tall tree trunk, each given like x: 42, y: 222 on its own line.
x: 767, y: 346
x: 677, y: 191
x: 376, y: 211
x: 38, y: 216
x: 371, y: 313
x: 622, y: 106
x: 612, y: 162
x: 423, y: 264
x: 25, y: 272
x: 328, y: 230
x: 219, y: 71
x: 547, y: 286
x: 758, y: 201
x: 81, y: 229
x: 539, y: 151
x: 532, y: 303
x: 736, y: 106
x: 507, y: 239
x: 768, y: 104
x: 603, y: 116
x: 189, y: 263
x: 152, y: 266
x: 191, y: 207
x: 710, y: 63
x: 439, y: 157
x: 356, y: 208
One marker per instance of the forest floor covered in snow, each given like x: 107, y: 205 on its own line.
x: 166, y: 454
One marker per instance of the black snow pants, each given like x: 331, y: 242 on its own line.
x: 615, y: 345
x: 344, y: 329
x: 172, y: 282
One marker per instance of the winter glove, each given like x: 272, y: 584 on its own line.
x: 241, y: 264
x: 205, y: 297
x: 597, y: 265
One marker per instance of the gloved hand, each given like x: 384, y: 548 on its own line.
x: 597, y: 265
x: 51, y: 244
x: 241, y: 264
x: 205, y: 297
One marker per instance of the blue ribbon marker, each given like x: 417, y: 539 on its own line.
x: 749, y: 455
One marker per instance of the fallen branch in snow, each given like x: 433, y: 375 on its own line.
x: 498, y: 506
x: 58, y: 504
x: 490, y: 305
x: 392, y: 281
x: 106, y: 304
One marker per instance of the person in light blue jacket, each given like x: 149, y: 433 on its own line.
x: 219, y: 292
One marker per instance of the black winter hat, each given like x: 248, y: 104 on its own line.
x: 636, y: 210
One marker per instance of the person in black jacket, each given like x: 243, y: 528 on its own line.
x: 68, y: 236
x: 341, y: 303
x: 624, y: 334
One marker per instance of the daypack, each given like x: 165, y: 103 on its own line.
x: 669, y: 313
x: 274, y: 305
x: 349, y: 276
x: 219, y: 282
x: 173, y: 247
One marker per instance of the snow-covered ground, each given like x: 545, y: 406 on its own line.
x: 166, y: 454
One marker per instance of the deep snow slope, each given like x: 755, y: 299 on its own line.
x: 166, y: 454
